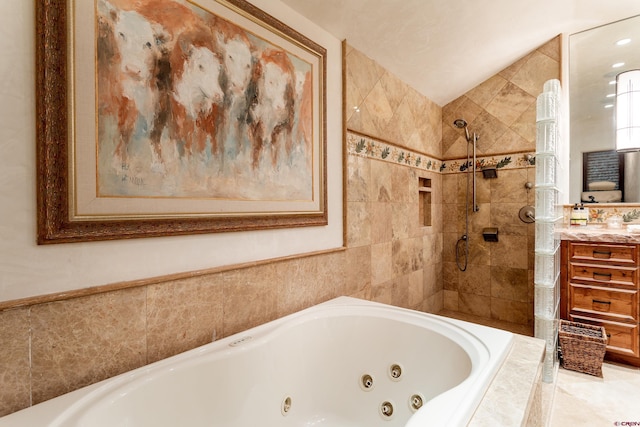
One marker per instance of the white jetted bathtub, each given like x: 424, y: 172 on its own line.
x: 343, y: 363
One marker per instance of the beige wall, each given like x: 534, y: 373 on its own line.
x: 29, y: 270
x: 498, y: 283
x: 50, y: 348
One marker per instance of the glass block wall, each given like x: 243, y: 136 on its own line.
x: 548, y: 213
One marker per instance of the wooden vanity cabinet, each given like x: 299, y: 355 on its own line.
x: 599, y: 286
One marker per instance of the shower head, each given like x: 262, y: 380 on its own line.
x: 462, y: 124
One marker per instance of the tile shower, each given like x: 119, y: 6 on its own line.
x: 498, y: 283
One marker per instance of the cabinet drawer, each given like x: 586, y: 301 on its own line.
x: 602, y: 275
x: 616, y: 303
x: 608, y: 254
x: 623, y: 338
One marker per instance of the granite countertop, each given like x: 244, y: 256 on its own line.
x: 598, y: 233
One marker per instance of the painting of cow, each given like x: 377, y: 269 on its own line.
x: 191, y: 105
x: 173, y: 117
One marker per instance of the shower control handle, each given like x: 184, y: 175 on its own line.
x: 527, y: 214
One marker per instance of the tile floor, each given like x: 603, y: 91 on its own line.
x: 585, y: 400
x: 580, y: 399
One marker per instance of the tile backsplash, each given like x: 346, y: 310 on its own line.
x: 599, y: 214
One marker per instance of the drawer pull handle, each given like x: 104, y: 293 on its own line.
x: 597, y: 301
x: 607, y: 276
x: 601, y: 254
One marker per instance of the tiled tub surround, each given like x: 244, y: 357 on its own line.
x: 517, y: 396
x: 83, y: 340
x: 516, y: 381
x: 55, y: 347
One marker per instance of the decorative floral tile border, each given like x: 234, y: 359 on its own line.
x: 510, y: 161
x: 364, y: 146
x: 600, y: 214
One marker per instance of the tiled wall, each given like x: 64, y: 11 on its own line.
x: 393, y: 140
x: 50, y: 348
x: 498, y: 282
x: 382, y: 106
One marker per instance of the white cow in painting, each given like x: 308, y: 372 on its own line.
x: 196, y: 95
x: 271, y: 115
x: 238, y: 62
x: 238, y: 59
x: 198, y: 88
x: 127, y: 88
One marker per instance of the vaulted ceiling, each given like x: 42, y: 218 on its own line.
x: 443, y: 48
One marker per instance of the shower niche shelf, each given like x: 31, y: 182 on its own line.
x: 424, y: 197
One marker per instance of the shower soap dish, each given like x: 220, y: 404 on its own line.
x: 583, y: 347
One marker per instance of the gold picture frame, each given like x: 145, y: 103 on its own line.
x: 121, y: 155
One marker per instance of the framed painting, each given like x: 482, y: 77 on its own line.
x: 165, y: 117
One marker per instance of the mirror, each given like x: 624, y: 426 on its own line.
x: 592, y: 54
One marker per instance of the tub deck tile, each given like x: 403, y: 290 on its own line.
x: 514, y: 394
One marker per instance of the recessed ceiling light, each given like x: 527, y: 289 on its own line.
x: 617, y: 65
x: 608, y: 106
x: 622, y: 42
